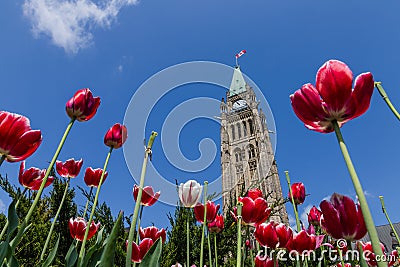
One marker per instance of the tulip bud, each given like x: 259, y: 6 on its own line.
x: 82, y: 106
x: 212, y: 210
x: 116, y: 136
x: 190, y: 193
x: 342, y: 218
x: 93, y: 176
x: 32, y: 178
x: 70, y: 168
x: 77, y: 228
x: 314, y: 216
x: 299, y: 193
x: 153, y: 233
x: 217, y: 225
x: 148, y: 195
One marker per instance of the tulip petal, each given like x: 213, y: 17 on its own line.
x: 363, y: 89
x: 334, y: 84
x: 330, y: 220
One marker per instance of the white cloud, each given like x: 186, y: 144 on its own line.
x: 68, y: 23
x: 120, y: 68
x: 304, y: 215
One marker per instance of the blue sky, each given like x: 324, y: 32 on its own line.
x: 52, y: 48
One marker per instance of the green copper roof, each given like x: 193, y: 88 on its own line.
x: 238, y: 85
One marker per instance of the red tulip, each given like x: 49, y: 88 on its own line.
x: 254, y: 193
x: 217, y: 225
x: 342, y: 218
x: 32, y: 178
x: 265, y: 261
x: 116, y: 136
x: 304, y: 241
x: 254, y: 211
x: 77, y: 228
x: 82, y: 106
x: 70, y: 168
x: 299, y: 193
x: 347, y: 264
x: 314, y: 216
x: 394, y: 258
x: 212, y: 210
x: 273, y: 235
x: 153, y: 233
x: 368, y: 253
x: 92, y: 177
x: 17, y: 140
x: 139, y: 251
x: 148, y: 195
x: 333, y: 97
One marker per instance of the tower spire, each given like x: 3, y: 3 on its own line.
x: 238, y: 84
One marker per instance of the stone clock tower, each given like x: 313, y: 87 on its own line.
x: 247, y: 157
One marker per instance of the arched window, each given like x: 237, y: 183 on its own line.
x: 233, y: 132
x: 251, y: 127
x: 252, y: 152
x: 244, y: 128
x: 238, y: 155
x: 239, y: 131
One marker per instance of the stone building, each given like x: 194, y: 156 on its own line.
x: 247, y: 157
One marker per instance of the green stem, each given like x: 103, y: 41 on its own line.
x: 239, y: 234
x: 87, y: 203
x: 204, y: 223
x: 16, y: 205
x: 387, y: 100
x: 138, y: 224
x: 138, y: 200
x: 215, y: 250
x: 187, y: 239
x: 292, y: 200
x: 24, y: 223
x: 96, y: 198
x: 387, y: 217
x: 341, y: 257
x: 2, y: 159
x: 54, y: 221
x: 369, y: 223
x: 209, y: 250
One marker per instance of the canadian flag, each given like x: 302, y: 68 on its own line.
x: 241, y: 53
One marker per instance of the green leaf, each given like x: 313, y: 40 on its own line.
x: 52, y: 254
x: 72, y: 255
x: 107, y: 258
x: 5, y: 251
x: 94, y: 252
x: 12, y: 219
x: 152, y: 257
x: 13, y: 262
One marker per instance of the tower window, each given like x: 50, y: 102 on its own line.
x: 251, y: 127
x: 252, y: 152
x: 239, y: 131
x: 233, y: 132
x: 244, y: 128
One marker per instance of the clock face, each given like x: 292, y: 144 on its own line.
x: 239, y: 104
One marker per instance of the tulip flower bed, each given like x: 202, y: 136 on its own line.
x: 334, y: 229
